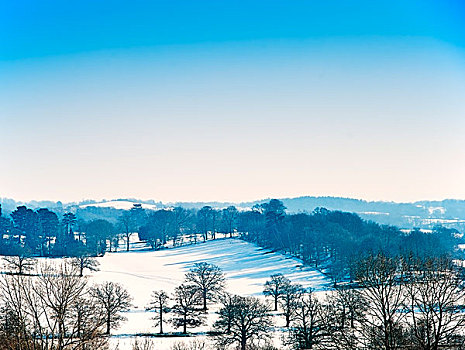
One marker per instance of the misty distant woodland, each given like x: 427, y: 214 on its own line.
x: 390, y: 288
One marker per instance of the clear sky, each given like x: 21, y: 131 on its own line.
x: 232, y: 100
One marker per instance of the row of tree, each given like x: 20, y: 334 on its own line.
x: 202, y: 284
x: 395, y: 303
x: 414, y: 304
x: 335, y: 240
x: 43, y: 233
x: 330, y: 240
x: 241, y: 320
x: 56, y: 309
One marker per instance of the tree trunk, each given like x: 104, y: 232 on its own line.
x: 60, y: 335
x: 243, y: 342
x: 127, y: 242
x: 276, y: 303
x: 79, y: 331
x: 161, y: 320
x: 204, y: 294
x: 108, y: 325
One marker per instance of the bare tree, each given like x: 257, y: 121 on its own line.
x: 44, y: 310
x: 157, y: 227
x: 208, y: 279
x: 226, y: 312
x: 128, y: 224
x: 20, y: 264
x: 84, y: 261
x: 289, y: 300
x: 435, y: 304
x: 90, y: 318
x: 344, y: 315
x: 308, y: 329
x: 185, y: 310
x: 192, y: 345
x: 214, y: 219
x: 179, y: 218
x: 113, y: 298
x: 57, y: 293
x: 229, y: 216
x: 382, y: 279
x: 204, y: 217
x: 14, y: 313
x: 146, y: 344
x: 275, y: 287
x: 12, y: 330
x: 159, y: 303
x: 250, y: 321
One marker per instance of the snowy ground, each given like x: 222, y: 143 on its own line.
x: 246, y: 266
x: 119, y: 204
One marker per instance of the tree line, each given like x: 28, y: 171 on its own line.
x: 394, y: 304
x: 329, y: 240
x: 334, y: 241
x: 42, y: 232
x: 56, y: 309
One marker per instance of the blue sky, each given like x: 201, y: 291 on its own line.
x: 216, y: 100
x: 41, y: 28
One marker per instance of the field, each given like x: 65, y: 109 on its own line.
x: 142, y: 271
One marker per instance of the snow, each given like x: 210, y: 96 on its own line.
x: 245, y: 265
x: 373, y: 213
x: 123, y: 204
x: 436, y: 210
x: 141, y: 271
x: 443, y: 221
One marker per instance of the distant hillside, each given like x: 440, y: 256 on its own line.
x: 120, y: 204
x: 423, y: 214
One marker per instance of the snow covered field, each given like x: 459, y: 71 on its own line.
x: 246, y: 267
x: 119, y: 204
